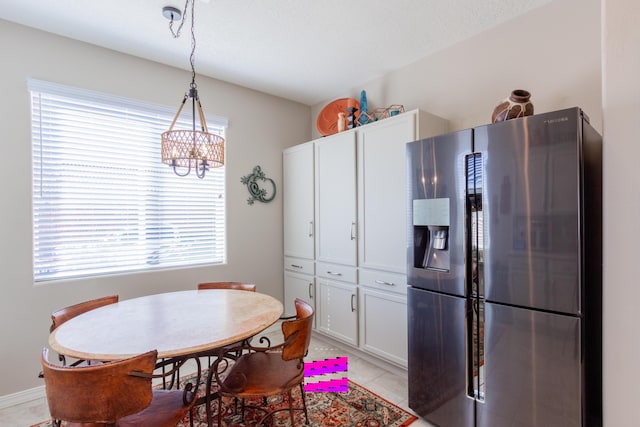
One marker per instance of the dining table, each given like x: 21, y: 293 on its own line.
x: 179, y: 325
x: 176, y: 324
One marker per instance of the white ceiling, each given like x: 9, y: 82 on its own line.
x: 303, y: 50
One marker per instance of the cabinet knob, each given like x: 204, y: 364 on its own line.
x: 334, y: 274
x: 353, y: 308
x: 310, y: 286
x: 296, y: 266
x: 353, y: 231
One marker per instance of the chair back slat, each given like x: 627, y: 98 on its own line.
x: 297, y: 332
x: 101, y: 393
x: 62, y: 315
x: 228, y: 285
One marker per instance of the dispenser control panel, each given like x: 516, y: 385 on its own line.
x: 431, y: 222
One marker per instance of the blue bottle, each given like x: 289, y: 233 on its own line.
x: 364, y: 109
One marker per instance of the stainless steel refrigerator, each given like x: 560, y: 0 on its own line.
x: 505, y: 274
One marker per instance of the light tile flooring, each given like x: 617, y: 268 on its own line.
x: 391, y: 384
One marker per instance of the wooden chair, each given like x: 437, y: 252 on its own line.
x: 228, y: 285
x: 266, y: 371
x: 67, y: 313
x: 115, y: 394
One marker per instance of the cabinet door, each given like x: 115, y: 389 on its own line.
x: 297, y: 286
x: 382, y: 192
x: 337, y: 311
x: 298, y: 210
x: 383, y: 324
x: 336, y: 199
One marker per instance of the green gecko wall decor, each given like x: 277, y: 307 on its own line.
x: 255, y: 191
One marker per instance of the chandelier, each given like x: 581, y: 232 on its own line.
x: 193, y: 148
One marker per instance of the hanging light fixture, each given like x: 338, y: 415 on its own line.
x: 193, y: 148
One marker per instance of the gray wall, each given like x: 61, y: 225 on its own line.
x: 552, y: 51
x: 260, y: 126
x: 621, y: 113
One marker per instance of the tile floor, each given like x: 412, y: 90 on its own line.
x: 391, y: 384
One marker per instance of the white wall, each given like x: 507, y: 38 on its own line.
x: 552, y: 51
x: 621, y: 123
x: 260, y: 127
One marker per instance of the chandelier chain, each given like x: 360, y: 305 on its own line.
x: 176, y: 34
x: 192, y: 57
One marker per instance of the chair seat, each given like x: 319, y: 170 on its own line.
x: 267, y: 371
x: 262, y: 374
x: 166, y: 410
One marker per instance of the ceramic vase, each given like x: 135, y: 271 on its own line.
x: 518, y: 104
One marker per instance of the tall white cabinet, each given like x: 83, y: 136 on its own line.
x: 360, y: 233
x: 336, y: 242
x: 336, y: 215
x: 298, y: 191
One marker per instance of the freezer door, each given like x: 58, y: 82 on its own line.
x: 531, y: 208
x: 532, y: 369
x: 438, y: 387
x: 435, y: 212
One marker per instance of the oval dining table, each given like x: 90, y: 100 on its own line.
x: 175, y: 324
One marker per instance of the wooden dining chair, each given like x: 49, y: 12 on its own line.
x: 266, y: 371
x: 60, y: 316
x: 115, y: 394
x: 227, y: 285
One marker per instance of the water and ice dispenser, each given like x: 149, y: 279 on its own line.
x: 431, y: 223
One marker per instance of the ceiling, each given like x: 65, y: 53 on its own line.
x: 303, y: 50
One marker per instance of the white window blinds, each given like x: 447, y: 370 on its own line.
x: 103, y: 201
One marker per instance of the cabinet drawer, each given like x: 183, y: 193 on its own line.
x: 383, y: 280
x: 299, y: 265
x: 343, y: 273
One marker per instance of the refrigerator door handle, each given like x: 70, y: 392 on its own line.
x: 474, y: 278
x: 471, y: 391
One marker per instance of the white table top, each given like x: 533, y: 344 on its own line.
x: 174, y: 323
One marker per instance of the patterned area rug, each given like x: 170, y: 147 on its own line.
x: 358, y: 407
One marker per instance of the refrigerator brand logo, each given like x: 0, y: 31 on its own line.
x: 558, y: 120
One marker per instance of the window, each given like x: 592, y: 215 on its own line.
x: 103, y: 201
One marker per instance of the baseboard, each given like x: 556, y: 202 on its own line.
x: 23, y: 396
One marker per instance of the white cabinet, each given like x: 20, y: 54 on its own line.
x: 383, y: 324
x: 382, y: 177
x: 381, y: 193
x: 298, y: 196
x: 336, y: 237
x: 336, y: 310
x: 297, y: 285
x: 360, y: 232
x: 382, y: 230
x: 336, y: 229
x: 299, y: 226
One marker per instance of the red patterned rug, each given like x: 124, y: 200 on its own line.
x: 357, y: 407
